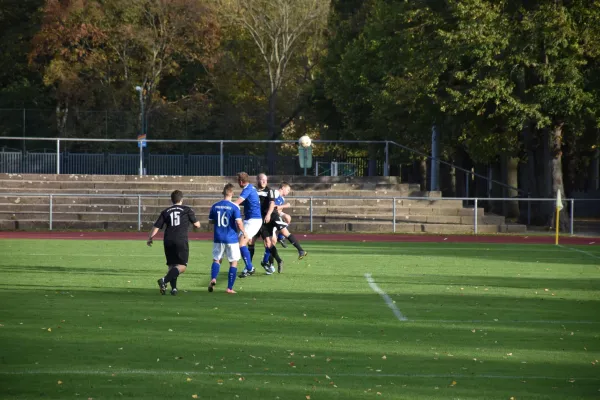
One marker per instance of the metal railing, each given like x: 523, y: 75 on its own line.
x: 311, y: 201
x: 221, y: 143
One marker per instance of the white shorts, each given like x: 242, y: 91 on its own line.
x: 232, y: 250
x: 252, y: 227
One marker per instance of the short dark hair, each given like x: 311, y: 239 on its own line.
x: 176, y: 196
x: 243, y: 177
x: 284, y: 184
x: 228, y: 189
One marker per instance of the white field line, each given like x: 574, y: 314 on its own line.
x: 110, y: 372
x: 587, y: 253
x: 388, y: 300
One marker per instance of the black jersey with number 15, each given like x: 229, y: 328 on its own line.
x: 177, y: 220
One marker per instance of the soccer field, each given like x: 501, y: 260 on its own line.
x: 354, y: 320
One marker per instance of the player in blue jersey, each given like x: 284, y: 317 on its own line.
x: 252, y: 219
x: 280, y: 205
x: 225, y: 216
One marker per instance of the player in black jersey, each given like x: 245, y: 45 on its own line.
x: 177, y: 220
x: 270, y: 215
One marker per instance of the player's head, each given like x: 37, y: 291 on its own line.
x: 284, y: 188
x: 261, y: 180
x: 243, y: 179
x: 176, y: 196
x: 228, y: 190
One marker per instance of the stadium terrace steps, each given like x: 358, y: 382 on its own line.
x: 373, y: 203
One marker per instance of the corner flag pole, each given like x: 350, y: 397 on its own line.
x: 559, y: 206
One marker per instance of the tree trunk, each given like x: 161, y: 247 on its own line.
x: 511, y: 170
x: 555, y: 145
x: 62, y: 112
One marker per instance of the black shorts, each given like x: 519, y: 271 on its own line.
x: 177, y: 253
x: 275, y: 224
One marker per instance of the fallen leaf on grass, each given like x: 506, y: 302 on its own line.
x: 59, y: 382
x: 384, y: 358
x: 189, y: 379
x: 453, y: 383
x: 194, y: 396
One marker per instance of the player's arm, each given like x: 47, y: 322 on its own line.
x: 153, y: 233
x: 193, y: 219
x: 157, y: 226
x: 282, y: 206
x: 242, y: 196
x: 240, y: 226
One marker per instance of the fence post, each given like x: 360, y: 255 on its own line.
x: 394, y: 214
x: 57, y: 156
x: 386, y: 167
x: 221, y: 159
x: 475, y: 227
x: 50, y: 218
x: 311, y: 214
x: 139, y: 213
x: 572, y: 214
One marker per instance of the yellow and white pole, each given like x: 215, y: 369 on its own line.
x: 559, y: 206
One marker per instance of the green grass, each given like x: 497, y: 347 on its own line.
x: 484, y: 322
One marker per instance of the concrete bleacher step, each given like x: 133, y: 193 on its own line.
x: 339, y: 204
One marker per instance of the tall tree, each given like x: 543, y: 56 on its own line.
x: 110, y: 47
x: 284, y: 34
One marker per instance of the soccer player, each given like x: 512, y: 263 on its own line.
x: 267, y: 208
x: 252, y: 219
x: 177, y: 219
x: 278, y: 224
x: 225, y: 216
x: 280, y: 205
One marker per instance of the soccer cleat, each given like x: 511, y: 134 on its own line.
x: 230, y: 291
x: 162, y: 286
x: 280, y: 267
x: 265, y: 266
x: 211, y: 285
x: 246, y: 273
x: 174, y: 292
x: 282, y: 243
x: 268, y: 269
x: 302, y: 254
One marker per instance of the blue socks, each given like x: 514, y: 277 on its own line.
x: 266, y: 255
x: 280, y: 236
x: 214, y: 270
x: 246, y: 257
x: 232, y: 276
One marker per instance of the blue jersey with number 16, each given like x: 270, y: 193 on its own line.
x: 224, y: 213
